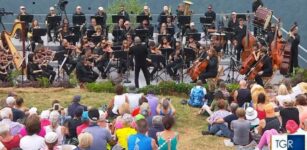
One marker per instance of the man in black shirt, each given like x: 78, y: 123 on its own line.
x: 210, y: 13
x: 140, y: 53
x: 295, y: 40
x: 124, y: 13
x: 78, y: 12
x: 51, y: 25
x: 240, y: 33
x: 85, y: 72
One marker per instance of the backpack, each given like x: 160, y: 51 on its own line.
x: 197, y: 97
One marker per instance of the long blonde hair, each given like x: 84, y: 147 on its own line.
x: 282, y: 90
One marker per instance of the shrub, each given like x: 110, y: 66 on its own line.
x: 299, y: 75
x: 73, y: 81
x: 105, y: 86
x: 232, y: 87
x: 43, y: 82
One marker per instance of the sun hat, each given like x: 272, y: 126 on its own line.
x: 51, y: 137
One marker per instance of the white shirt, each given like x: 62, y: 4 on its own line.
x: 58, y: 131
x: 282, y: 98
x: 118, y: 101
x: 32, y: 142
x: 133, y: 99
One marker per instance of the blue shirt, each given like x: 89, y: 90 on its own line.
x: 100, y: 137
x: 139, y: 142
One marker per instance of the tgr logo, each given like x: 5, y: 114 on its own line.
x: 288, y: 142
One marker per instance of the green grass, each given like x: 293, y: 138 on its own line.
x: 188, y: 124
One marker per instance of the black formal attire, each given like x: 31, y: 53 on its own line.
x: 160, y: 17
x: 125, y: 14
x: 48, y: 72
x: 35, y: 39
x: 239, y: 35
x: 71, y: 61
x: 211, y: 14
x: 3, y: 75
x: 31, y: 74
x: 267, y: 69
x: 140, y: 53
x: 80, y: 14
x: 143, y: 14
x: 105, y: 17
x: 51, y: 26
x: 150, y: 29
x: 255, y: 6
x: 18, y: 33
x: 118, y: 33
x: 174, y: 64
x: 86, y: 73
x: 294, y: 52
x: 211, y: 70
x: 190, y: 31
x: 103, y: 63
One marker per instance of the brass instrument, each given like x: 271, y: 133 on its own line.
x: 187, y: 5
x: 6, y: 38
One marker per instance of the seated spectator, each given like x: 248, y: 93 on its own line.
x: 136, y: 111
x: 72, y: 125
x: 55, y: 126
x: 265, y: 139
x: 20, y: 105
x: 140, y: 140
x: 123, y: 133
x: 44, y: 117
x: 168, y: 139
x: 260, y: 106
x: 255, y: 90
x: 51, y: 140
x: 17, y: 114
x: 218, y: 96
x: 270, y: 121
x: 289, y: 112
x: 282, y: 94
x: 7, y: 116
x: 214, y: 125
x: 157, y: 126
x: 2, y: 147
x: 133, y: 97
x: 101, y: 136
x: 119, y: 99
x: 251, y: 117
x: 74, y: 105
x: 32, y: 140
x: 223, y: 88
x: 197, y: 95
x: 153, y: 101
x: 165, y: 107
x: 42, y: 132
x: 85, y: 122
x: 241, y: 128
x: 118, y: 122
x: 85, y: 141
x: 301, y: 105
x: 9, y: 141
x: 242, y: 95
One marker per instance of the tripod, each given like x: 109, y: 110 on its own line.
x: 231, y: 69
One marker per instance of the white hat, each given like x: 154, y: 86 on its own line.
x: 233, y: 13
x: 51, y: 8
x: 145, y: 7
x: 250, y: 113
x: 100, y: 8
x: 78, y: 7
x: 22, y: 7
x: 45, y: 114
x: 33, y: 110
x: 10, y: 100
x: 192, y: 24
x: 51, y: 137
x: 165, y: 7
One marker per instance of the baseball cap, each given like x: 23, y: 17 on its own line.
x: 93, y: 114
x: 51, y: 137
x: 51, y: 8
x: 100, y: 8
x: 139, y: 117
x: 22, y: 7
x: 76, y: 98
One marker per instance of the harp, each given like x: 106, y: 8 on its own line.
x: 7, y: 42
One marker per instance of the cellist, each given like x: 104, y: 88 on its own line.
x: 267, y: 68
x: 212, y: 68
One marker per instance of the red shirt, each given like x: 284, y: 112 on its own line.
x: 81, y: 127
x: 135, y: 112
x: 14, y: 143
x: 261, y: 114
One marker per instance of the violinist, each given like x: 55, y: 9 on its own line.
x: 164, y: 43
x: 85, y: 72
x: 4, y: 66
x: 163, y: 29
x: 175, y: 61
x: 51, y: 25
x: 42, y: 60
x: 267, y: 68
x: 92, y: 25
x: 130, y: 40
x: 98, y: 31
x: 128, y: 28
x: 35, y: 39
x: 70, y: 52
x: 33, y: 70
x: 157, y: 63
x: 85, y: 43
x: 102, y: 61
x: 212, y: 68
x: 64, y: 31
x: 194, y: 45
x: 295, y: 40
x: 126, y: 48
x: 145, y: 24
x: 240, y: 33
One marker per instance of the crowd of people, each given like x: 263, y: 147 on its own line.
x: 130, y: 121
x: 253, y: 114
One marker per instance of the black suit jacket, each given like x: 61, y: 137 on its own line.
x: 140, y: 53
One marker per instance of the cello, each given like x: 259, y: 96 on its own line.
x: 197, y: 68
x: 248, y: 41
x: 276, y: 48
x: 257, y: 68
x: 286, y: 54
x: 246, y: 65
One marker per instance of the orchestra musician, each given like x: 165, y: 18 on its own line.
x: 51, y: 25
x: 145, y: 24
x: 295, y: 40
x: 92, y: 25
x: 233, y: 22
x: 118, y: 31
x: 78, y: 12
x: 156, y: 64
x: 64, y: 31
x: 211, y: 14
x: 240, y: 33
x: 166, y: 12
x: 267, y: 68
x: 103, y: 14
x: 191, y: 29
x: 124, y: 13
x: 4, y: 65
x: 180, y: 10
x: 85, y: 72
x: 128, y: 28
x: 194, y: 45
x: 146, y: 12
x: 212, y: 68
x: 140, y: 54
x: 104, y: 53
x: 169, y: 22
x: 175, y: 61
x: 126, y: 47
x: 70, y: 52
x: 35, y: 39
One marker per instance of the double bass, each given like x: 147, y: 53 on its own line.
x: 248, y: 41
x: 286, y: 54
x: 276, y: 49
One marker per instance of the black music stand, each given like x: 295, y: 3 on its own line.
x: 89, y: 33
x: 71, y: 38
x: 54, y: 19
x: 39, y: 32
x: 164, y: 18
x: 75, y: 29
x: 118, y: 34
x: 207, y: 21
x: 115, y: 18
x: 157, y: 59
x: 166, y: 52
x: 189, y: 54
x: 168, y: 36
x: 170, y: 30
x: 99, y: 20
x: 196, y: 36
x: 116, y: 48
x: 78, y: 19
x: 140, y: 19
x: 183, y: 20
x: 122, y: 55
x: 96, y: 39
x: 143, y: 34
x: 26, y: 18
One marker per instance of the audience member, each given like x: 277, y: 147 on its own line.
x: 157, y: 126
x: 165, y: 107
x: 17, y: 114
x: 72, y: 125
x: 9, y: 141
x: 133, y: 97
x: 282, y: 94
x: 242, y: 95
x: 197, y: 95
x: 123, y: 133
x: 74, y: 105
x: 241, y: 128
x: 7, y: 117
x: 119, y: 99
x: 55, y: 126
x: 153, y: 101
x: 85, y: 141
x: 260, y: 106
x: 270, y: 121
x: 289, y: 112
x: 168, y: 138
x: 51, y: 140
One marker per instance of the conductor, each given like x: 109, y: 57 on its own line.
x: 140, y: 53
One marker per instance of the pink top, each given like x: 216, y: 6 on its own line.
x: 42, y: 132
x: 45, y: 122
x: 81, y: 127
